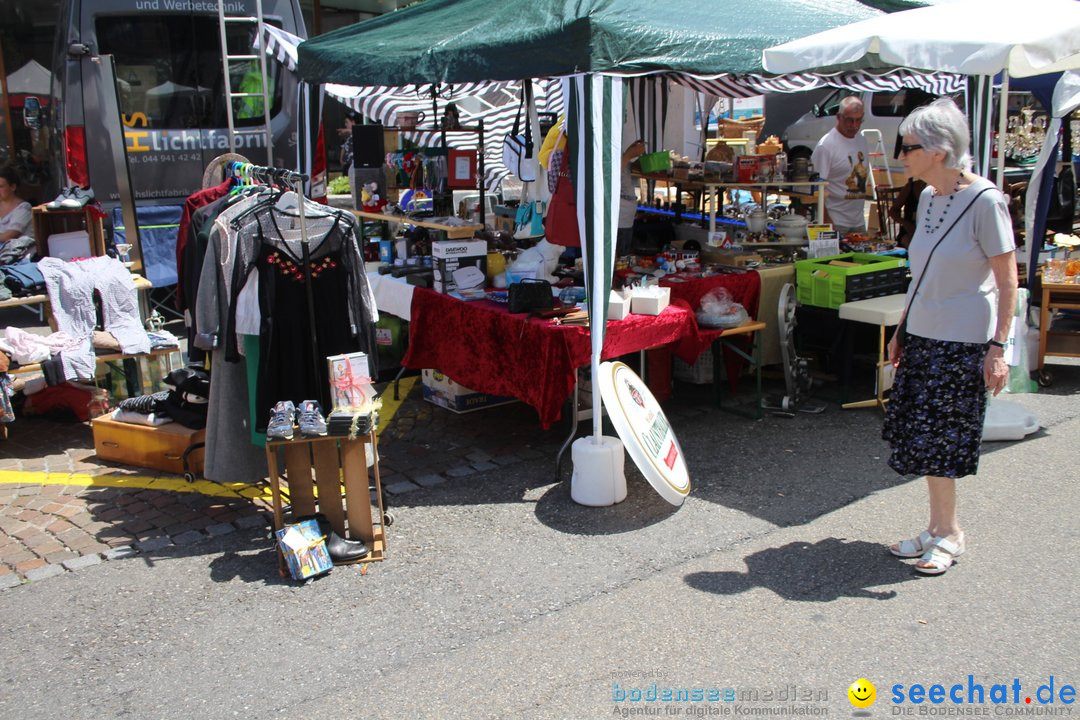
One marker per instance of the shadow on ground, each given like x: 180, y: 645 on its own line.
x: 812, y: 572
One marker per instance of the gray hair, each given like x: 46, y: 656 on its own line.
x: 942, y: 127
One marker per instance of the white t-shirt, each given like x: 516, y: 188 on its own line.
x: 845, y: 164
x: 19, y: 219
x: 957, y: 300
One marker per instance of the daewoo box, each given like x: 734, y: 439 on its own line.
x: 460, y: 266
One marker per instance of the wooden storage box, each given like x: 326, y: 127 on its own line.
x: 317, y: 470
x: 49, y: 222
x: 157, y: 448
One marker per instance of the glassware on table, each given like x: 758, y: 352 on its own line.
x: 123, y: 251
x: 1054, y: 271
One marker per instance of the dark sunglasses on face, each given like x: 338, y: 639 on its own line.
x: 905, y: 149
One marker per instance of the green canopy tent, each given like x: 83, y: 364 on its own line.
x: 594, y: 43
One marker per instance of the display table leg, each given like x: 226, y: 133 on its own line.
x: 880, y: 400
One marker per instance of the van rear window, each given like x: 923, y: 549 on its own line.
x: 169, y: 69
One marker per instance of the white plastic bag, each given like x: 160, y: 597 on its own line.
x: 719, y: 310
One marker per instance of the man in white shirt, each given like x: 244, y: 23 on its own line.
x: 842, y: 158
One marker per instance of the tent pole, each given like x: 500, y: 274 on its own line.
x: 1003, y: 124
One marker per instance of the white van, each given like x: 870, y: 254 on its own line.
x: 171, y: 91
x: 883, y: 112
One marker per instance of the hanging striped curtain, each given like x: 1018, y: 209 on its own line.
x: 594, y: 126
x: 980, y: 97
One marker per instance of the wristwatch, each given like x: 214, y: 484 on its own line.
x: 997, y: 343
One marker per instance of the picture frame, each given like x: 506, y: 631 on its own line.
x: 461, y: 169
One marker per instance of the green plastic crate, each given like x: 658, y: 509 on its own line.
x: 824, y: 285
x: 655, y: 162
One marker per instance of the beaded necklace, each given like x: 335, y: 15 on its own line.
x: 928, y: 226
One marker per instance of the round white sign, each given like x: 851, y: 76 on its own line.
x: 645, y: 431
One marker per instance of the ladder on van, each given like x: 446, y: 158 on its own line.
x: 877, y: 150
x: 246, y: 95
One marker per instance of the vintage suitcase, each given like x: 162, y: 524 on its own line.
x: 157, y: 448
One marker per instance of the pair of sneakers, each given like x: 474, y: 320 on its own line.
x: 71, y: 198
x: 284, y: 415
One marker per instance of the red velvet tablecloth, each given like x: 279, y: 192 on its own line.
x: 482, y: 346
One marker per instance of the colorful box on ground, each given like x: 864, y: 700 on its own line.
x: 444, y: 392
x: 304, y: 548
x: 832, y: 281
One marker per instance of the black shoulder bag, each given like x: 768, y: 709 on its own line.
x: 901, y: 329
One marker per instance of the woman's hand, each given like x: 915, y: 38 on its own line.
x: 995, y: 370
x: 894, y: 351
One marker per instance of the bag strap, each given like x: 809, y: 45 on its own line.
x: 517, y: 118
x: 526, y: 97
x: 919, y: 284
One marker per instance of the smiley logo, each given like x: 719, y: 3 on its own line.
x: 862, y: 693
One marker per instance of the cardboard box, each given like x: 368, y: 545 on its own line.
x: 618, y: 305
x: 444, y: 392
x: 748, y: 168
x: 452, y: 257
x: 157, y: 448
x: 650, y: 300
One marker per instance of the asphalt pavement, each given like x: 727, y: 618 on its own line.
x: 502, y: 598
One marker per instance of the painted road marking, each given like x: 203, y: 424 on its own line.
x: 170, y: 483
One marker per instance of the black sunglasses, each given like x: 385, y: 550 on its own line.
x: 905, y: 149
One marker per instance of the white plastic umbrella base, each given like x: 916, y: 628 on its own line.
x: 598, y: 478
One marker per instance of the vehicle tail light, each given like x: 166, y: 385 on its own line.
x: 78, y: 170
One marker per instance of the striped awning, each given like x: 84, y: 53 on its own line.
x: 740, y: 86
x: 496, y: 103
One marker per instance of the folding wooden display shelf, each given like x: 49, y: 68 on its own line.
x: 335, y: 460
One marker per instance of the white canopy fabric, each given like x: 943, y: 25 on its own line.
x: 31, y: 79
x: 972, y: 37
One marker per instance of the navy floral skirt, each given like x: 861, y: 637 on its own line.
x: 935, y: 415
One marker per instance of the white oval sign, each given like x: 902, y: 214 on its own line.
x: 645, y: 431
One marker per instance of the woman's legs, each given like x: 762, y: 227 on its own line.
x: 943, y: 520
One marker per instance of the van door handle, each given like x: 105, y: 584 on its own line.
x: 78, y: 49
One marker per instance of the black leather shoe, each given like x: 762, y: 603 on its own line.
x: 341, y: 550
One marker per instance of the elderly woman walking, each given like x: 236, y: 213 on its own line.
x: 949, y: 348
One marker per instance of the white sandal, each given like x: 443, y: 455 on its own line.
x: 913, y: 547
x: 940, y: 556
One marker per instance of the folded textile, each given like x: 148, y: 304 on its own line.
x: 144, y: 404
x: 27, y: 348
x: 162, y: 339
x: 136, y: 418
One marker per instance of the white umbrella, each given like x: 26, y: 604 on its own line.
x: 31, y: 79
x: 971, y: 37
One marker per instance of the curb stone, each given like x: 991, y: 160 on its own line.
x: 45, y: 571
x: 81, y: 562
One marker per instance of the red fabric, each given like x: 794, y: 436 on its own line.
x: 561, y: 225
x: 482, y: 346
x: 61, y: 398
x: 194, y: 202
x: 745, y: 289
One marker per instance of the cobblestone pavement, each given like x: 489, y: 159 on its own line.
x: 61, y: 509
